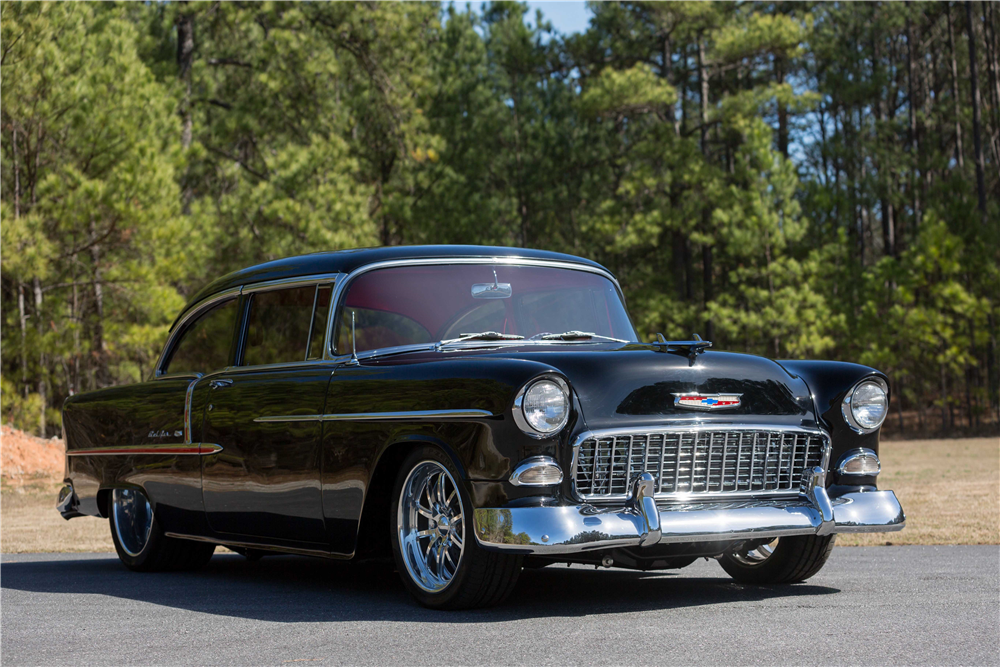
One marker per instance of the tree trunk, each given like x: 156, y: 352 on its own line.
x: 976, y: 113
x: 899, y: 405
x: 100, y: 347
x: 913, y: 105
x: 678, y: 241
x: 667, y: 72
x: 959, y: 152
x: 990, y: 38
x: 885, y: 205
x: 706, y: 212
x: 993, y: 388
x: 40, y: 328
x: 944, y: 399
x: 185, y: 57
x: 23, y: 320
x: 779, y: 75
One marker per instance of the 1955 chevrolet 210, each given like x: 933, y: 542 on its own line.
x: 468, y: 411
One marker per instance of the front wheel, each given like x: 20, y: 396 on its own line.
x: 141, y: 544
x: 433, y: 543
x: 785, y: 560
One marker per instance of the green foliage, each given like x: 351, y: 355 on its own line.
x: 134, y: 171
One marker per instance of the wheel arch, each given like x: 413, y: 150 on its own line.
x: 373, y: 541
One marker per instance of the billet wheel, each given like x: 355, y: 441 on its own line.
x: 141, y: 544
x: 132, y: 519
x: 785, y: 560
x: 435, y: 550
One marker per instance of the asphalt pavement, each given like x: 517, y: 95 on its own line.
x: 874, y: 605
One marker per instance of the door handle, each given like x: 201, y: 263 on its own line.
x: 218, y: 384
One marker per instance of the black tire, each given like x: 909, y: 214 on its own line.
x: 160, y: 553
x: 483, y: 578
x: 794, y: 559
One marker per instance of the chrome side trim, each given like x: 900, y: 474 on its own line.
x: 572, y: 529
x: 278, y: 419
x: 341, y: 286
x: 186, y: 449
x: 265, y: 547
x: 410, y: 415
x: 688, y: 428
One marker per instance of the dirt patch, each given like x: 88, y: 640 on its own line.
x: 26, y: 459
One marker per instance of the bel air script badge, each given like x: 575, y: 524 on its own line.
x: 707, y: 401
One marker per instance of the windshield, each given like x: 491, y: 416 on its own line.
x: 414, y: 305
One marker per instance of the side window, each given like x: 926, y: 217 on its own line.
x: 204, y: 345
x: 377, y: 329
x: 282, y: 325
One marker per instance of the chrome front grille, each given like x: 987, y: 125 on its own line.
x: 744, y: 461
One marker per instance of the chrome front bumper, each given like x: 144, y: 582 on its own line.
x: 568, y: 529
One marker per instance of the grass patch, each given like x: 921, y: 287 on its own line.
x: 29, y: 522
x: 950, y: 490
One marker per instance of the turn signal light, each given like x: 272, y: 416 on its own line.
x: 861, y: 462
x: 537, y: 471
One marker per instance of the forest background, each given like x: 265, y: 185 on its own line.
x: 804, y: 180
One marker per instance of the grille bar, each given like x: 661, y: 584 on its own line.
x: 748, y: 461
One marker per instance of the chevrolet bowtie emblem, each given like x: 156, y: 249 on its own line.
x: 707, y: 401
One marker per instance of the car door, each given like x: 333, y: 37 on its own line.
x: 265, y: 413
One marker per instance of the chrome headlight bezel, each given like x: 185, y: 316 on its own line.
x: 847, y: 408
x: 520, y: 418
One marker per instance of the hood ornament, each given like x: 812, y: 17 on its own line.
x: 690, y: 348
x: 697, y: 401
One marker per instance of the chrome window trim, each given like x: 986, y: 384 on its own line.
x: 318, y: 279
x: 534, y: 462
x: 340, y: 288
x: 845, y: 406
x: 696, y: 497
x: 193, y: 312
x: 291, y: 283
x: 855, y: 454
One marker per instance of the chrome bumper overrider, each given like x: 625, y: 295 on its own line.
x: 569, y: 529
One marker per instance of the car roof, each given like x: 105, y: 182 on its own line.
x: 345, y: 261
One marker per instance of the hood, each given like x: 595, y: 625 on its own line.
x: 634, y: 384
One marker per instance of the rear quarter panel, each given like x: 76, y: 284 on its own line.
x: 133, y: 415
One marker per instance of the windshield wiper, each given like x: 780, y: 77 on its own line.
x: 482, y: 335
x: 574, y: 335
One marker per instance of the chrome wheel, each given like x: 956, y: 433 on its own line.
x: 132, y: 518
x: 431, y: 526
x: 755, y: 555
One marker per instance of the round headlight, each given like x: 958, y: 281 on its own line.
x: 541, y: 409
x: 866, y: 407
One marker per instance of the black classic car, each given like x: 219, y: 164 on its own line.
x: 466, y: 412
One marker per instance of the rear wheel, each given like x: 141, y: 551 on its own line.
x: 785, y: 560
x: 140, y: 542
x: 433, y: 544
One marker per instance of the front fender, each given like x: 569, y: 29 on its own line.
x: 829, y: 382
